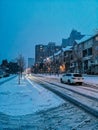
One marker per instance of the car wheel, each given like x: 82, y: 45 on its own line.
x: 69, y: 82
x: 80, y: 83
x: 61, y: 81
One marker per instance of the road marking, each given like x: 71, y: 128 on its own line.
x: 33, y: 85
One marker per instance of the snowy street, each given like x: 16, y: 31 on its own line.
x: 25, y: 98
x: 49, y: 65
x: 88, y: 79
x: 84, y: 96
x: 29, y: 106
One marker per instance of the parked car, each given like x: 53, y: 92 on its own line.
x: 72, y: 78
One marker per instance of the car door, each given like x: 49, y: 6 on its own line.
x: 68, y: 78
x: 63, y: 78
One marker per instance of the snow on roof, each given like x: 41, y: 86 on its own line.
x: 68, y: 48
x: 50, y: 57
x: 84, y: 39
x: 57, y: 53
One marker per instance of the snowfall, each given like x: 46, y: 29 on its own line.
x: 29, y: 106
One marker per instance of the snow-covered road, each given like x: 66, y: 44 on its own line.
x: 29, y: 106
x: 79, y: 95
x: 89, y: 79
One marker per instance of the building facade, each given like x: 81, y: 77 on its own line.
x: 44, y: 51
x: 85, y: 55
x: 82, y: 57
x: 40, y: 53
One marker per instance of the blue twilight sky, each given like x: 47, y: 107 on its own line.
x: 25, y: 23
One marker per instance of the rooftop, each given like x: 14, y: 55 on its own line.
x: 85, y: 38
x: 68, y: 48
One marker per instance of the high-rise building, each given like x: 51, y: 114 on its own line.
x: 44, y: 51
x: 52, y: 48
x: 39, y: 52
x: 74, y: 35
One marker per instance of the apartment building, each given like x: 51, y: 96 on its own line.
x: 85, y: 55
x: 82, y: 57
x: 67, y: 56
x: 44, y: 51
x: 40, y: 53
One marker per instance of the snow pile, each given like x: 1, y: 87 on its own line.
x: 91, y: 80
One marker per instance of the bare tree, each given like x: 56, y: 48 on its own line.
x: 21, y: 64
x: 78, y: 60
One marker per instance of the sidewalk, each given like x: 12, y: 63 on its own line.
x: 25, y: 98
x: 91, y: 79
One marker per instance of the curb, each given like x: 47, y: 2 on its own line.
x: 6, y: 80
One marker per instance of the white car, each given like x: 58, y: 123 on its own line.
x: 72, y: 78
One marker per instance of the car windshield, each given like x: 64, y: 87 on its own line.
x: 77, y: 75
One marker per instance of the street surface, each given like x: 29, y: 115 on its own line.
x: 29, y: 106
x: 84, y: 96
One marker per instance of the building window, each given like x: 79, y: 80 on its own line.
x: 90, y: 51
x: 71, y: 57
x: 84, y: 53
x: 64, y: 59
x: 64, y: 53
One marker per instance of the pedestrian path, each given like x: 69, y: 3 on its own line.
x: 25, y: 98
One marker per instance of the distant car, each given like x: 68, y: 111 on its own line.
x: 72, y: 78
